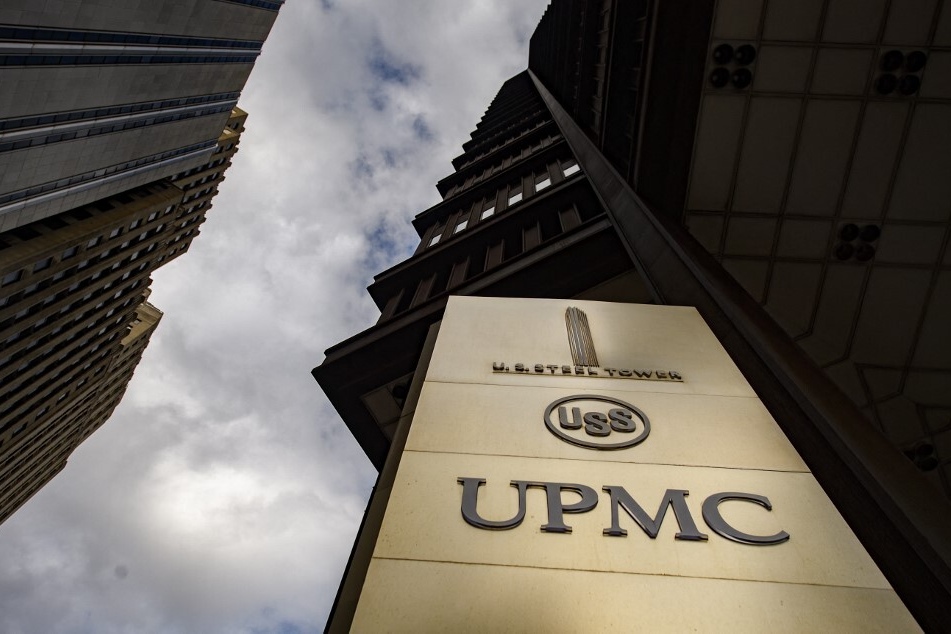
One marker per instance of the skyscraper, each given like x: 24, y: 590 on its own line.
x: 118, y: 125
x: 779, y: 167
x: 101, y: 97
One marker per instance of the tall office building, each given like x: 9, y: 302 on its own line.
x: 101, y: 97
x: 780, y: 166
x: 117, y: 127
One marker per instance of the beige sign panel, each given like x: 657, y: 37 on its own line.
x: 588, y: 466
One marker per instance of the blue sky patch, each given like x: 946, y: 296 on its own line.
x: 386, y: 67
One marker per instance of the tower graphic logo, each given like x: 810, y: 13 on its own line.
x: 579, y: 338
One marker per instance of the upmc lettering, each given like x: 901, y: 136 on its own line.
x: 620, y: 499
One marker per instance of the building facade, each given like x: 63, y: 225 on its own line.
x: 77, y: 253
x: 101, y: 97
x: 780, y: 167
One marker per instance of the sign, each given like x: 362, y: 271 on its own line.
x: 572, y: 494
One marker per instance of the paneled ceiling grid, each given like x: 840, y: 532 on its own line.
x: 810, y: 123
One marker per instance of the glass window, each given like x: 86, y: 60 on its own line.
x: 515, y: 196
x: 461, y: 225
x: 11, y: 277
x: 488, y: 211
x: 93, y: 242
x: 542, y: 182
x: 68, y: 253
x: 115, y: 232
x: 570, y: 168
x: 435, y: 239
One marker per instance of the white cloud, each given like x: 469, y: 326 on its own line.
x: 224, y: 494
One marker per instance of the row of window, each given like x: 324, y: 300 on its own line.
x: 15, y: 276
x: 270, y: 5
x: 88, y: 347
x: 68, y: 311
x: 502, y: 164
x: 27, y: 34
x: 56, y: 137
x: 520, y: 123
x: 19, y: 457
x: 99, y: 60
x: 96, y: 113
x: 514, y: 195
x: 527, y: 130
x: 106, y: 171
x: 482, y: 252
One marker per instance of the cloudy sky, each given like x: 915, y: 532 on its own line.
x: 225, y: 492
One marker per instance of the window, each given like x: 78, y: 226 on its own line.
x: 435, y: 239
x: 543, y: 181
x: 152, y: 216
x: 11, y: 277
x: 68, y: 253
x: 515, y: 195
x: 461, y: 225
x: 570, y: 168
x: 93, y: 242
x: 134, y: 224
x: 488, y: 211
x: 115, y: 232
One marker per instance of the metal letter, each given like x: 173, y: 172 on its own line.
x: 557, y: 508
x: 596, y: 424
x: 575, y: 423
x: 622, y: 420
x: 711, y: 515
x: 470, y: 502
x: 672, y: 497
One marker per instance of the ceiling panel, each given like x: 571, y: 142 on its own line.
x: 853, y: 21
x: 889, y: 316
x: 929, y: 388
x: 737, y: 19
x: 842, y: 71
x: 874, y: 160
x: 934, y: 342
x: 782, y: 68
x: 804, y: 239
x: 882, y: 383
x: 824, y: 149
x: 749, y: 236
x: 942, y: 36
x: 936, y: 77
x: 841, y: 294
x: 718, y: 136
x: 909, y: 22
x: 923, y: 186
x: 767, y: 147
x: 792, y: 19
x: 910, y: 244
x: 899, y: 419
